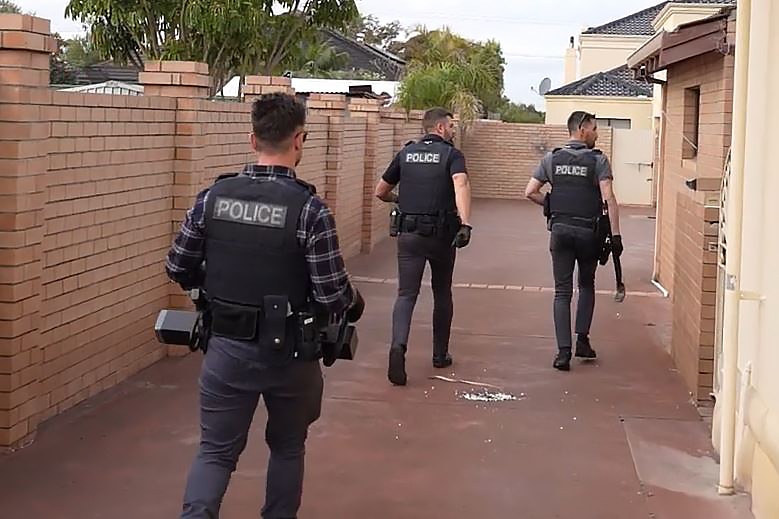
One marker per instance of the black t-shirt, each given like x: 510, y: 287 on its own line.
x: 455, y: 165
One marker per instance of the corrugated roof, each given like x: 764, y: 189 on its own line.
x: 640, y: 23
x: 617, y: 82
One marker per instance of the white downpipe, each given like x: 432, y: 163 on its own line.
x: 658, y: 195
x: 734, y: 208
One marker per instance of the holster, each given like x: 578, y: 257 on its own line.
x: 309, y: 347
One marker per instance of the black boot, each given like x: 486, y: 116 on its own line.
x: 583, y: 348
x: 442, y: 362
x: 563, y: 360
x: 397, y: 364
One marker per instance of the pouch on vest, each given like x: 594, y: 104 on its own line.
x: 233, y: 321
x: 273, y: 330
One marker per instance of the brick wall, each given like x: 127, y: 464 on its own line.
x: 687, y: 220
x: 106, y: 225
x: 93, y: 188
x: 501, y: 157
x: 349, y: 189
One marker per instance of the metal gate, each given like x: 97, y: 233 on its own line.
x: 721, y: 276
x: 632, y: 162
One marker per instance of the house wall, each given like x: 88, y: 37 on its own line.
x: 674, y: 15
x: 687, y: 220
x: 639, y: 111
x: 757, y: 418
x: 599, y: 53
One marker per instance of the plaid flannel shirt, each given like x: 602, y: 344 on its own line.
x: 316, y: 232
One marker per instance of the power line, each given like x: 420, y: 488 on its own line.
x: 508, y: 21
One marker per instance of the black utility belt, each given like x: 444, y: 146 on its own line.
x: 269, y: 325
x: 427, y: 224
x: 576, y: 221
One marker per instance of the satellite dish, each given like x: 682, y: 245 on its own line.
x: 544, y: 86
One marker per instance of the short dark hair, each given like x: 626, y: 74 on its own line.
x: 578, y: 119
x: 434, y: 116
x: 275, y: 117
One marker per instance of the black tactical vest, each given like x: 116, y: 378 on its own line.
x: 426, y: 185
x: 575, y: 188
x: 252, y: 250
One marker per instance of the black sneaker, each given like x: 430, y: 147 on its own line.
x: 584, y: 350
x: 442, y: 362
x: 563, y: 361
x: 397, y: 365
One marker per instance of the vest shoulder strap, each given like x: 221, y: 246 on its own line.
x: 225, y: 175
x: 310, y: 187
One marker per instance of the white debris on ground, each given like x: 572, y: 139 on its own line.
x: 486, y: 396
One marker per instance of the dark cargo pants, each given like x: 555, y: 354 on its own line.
x: 232, y: 379
x: 414, y: 252
x: 569, y: 246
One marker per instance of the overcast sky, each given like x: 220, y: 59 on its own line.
x: 532, y: 33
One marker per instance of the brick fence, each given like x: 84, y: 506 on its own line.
x: 93, y: 188
x: 501, y: 157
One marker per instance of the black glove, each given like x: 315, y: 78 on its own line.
x: 355, y: 311
x: 463, y: 237
x: 616, y: 245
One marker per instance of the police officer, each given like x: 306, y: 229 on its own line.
x: 271, y: 260
x: 434, y: 199
x: 581, y: 181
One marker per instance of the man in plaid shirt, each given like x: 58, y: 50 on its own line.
x: 271, y: 261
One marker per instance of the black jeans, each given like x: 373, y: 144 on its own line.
x: 231, y: 382
x: 414, y: 251
x: 570, y: 245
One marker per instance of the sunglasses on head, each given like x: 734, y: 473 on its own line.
x: 585, y: 117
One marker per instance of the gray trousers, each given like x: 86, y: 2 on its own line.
x: 232, y: 379
x: 571, y: 245
x: 414, y: 252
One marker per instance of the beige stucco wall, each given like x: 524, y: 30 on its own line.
x: 674, y: 15
x: 598, y: 53
x: 757, y: 420
x: 638, y: 110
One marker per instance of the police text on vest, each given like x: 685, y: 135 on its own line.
x: 423, y: 158
x: 570, y: 170
x: 248, y: 212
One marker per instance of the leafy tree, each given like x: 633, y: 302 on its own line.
x: 9, y: 7
x: 317, y: 59
x: 369, y: 30
x: 79, y: 52
x: 233, y: 36
x: 520, y: 113
x: 445, y: 84
x: 472, y: 72
x: 60, y: 71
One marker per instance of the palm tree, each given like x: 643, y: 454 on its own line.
x: 449, y: 85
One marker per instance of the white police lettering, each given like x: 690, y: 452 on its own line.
x: 574, y: 171
x: 423, y: 158
x: 252, y: 213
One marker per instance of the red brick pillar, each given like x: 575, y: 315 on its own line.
x: 372, y: 207
x: 190, y: 83
x: 255, y: 86
x: 175, y: 79
x: 334, y: 107
x: 24, y: 79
